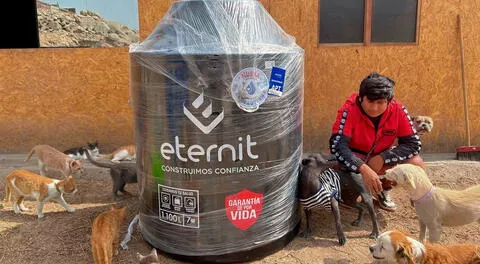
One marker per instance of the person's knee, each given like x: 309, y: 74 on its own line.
x: 416, y: 160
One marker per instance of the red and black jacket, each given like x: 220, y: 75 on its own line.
x: 354, y: 137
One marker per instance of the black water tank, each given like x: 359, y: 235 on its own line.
x: 218, y: 100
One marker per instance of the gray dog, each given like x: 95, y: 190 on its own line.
x: 320, y: 186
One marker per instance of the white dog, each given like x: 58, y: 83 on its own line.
x: 436, y: 207
x: 423, y: 124
x: 398, y: 247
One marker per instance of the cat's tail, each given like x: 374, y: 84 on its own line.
x: 100, y: 253
x: 97, y: 163
x: 8, y: 190
x: 107, y: 156
x: 30, y: 154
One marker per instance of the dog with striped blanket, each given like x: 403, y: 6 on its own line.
x: 320, y: 186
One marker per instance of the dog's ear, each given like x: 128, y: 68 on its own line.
x: 307, y: 161
x: 404, y: 252
x: 408, y: 177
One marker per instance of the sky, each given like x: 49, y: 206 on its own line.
x: 123, y: 11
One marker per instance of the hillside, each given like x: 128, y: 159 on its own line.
x: 63, y: 27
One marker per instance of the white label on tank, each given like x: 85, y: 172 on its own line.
x: 269, y: 64
x: 178, y: 206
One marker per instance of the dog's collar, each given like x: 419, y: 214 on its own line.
x: 424, y: 197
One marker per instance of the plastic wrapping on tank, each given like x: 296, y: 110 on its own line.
x: 217, y: 90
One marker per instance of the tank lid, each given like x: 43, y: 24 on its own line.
x: 217, y: 27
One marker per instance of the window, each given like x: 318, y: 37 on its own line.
x: 341, y: 21
x: 368, y: 21
x: 394, y: 20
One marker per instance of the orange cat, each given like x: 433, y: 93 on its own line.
x: 122, y: 153
x: 49, y: 156
x: 24, y: 183
x: 106, y: 234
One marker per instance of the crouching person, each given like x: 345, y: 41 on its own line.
x: 365, y: 131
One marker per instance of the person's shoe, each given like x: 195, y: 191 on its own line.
x: 385, y: 202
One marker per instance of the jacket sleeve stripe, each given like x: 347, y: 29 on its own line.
x: 340, y: 149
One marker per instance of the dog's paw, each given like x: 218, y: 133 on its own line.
x: 342, y: 240
x: 374, y: 235
x: 357, y: 222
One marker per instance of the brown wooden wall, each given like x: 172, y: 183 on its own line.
x: 65, y: 97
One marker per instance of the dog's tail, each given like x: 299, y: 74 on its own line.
x: 30, y: 154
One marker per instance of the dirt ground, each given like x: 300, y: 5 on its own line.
x: 61, y: 237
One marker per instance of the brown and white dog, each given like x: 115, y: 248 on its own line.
x: 398, y: 247
x: 435, y: 206
x: 423, y: 124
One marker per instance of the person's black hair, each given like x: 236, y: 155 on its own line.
x: 376, y: 86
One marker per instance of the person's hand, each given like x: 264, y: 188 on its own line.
x: 370, y: 179
x: 376, y: 163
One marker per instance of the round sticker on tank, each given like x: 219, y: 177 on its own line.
x: 250, y: 89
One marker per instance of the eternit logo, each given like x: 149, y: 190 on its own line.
x: 198, y: 152
x: 206, y: 114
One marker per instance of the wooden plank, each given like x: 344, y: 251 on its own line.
x: 367, y: 24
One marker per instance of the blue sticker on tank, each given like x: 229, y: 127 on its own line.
x: 277, y: 79
x: 250, y: 89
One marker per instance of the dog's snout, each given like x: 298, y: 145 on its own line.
x: 371, y: 249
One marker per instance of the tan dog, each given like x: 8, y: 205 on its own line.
x: 50, y: 157
x: 436, y: 207
x: 423, y: 124
x: 398, y: 247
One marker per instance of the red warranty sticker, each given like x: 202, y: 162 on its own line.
x: 243, y: 208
